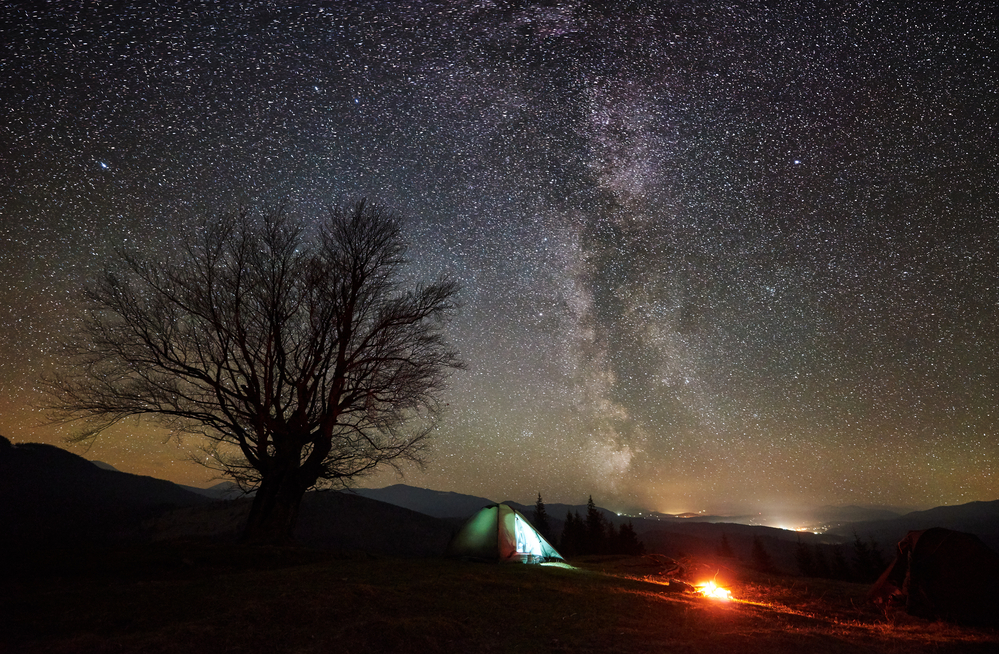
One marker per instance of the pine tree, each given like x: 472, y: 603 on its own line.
x: 760, y: 556
x: 612, y: 539
x: 725, y: 548
x: 573, y: 537
x: 822, y: 568
x: 540, y: 520
x: 565, y: 544
x: 627, y: 541
x: 596, y: 529
x: 863, y: 560
x: 840, y: 567
x: 803, y: 557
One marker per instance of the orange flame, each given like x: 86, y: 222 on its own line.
x: 714, y: 591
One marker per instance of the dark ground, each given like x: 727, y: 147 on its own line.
x: 189, y: 597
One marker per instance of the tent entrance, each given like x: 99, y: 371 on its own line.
x: 528, y: 542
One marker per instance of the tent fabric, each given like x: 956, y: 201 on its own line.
x: 941, y: 574
x: 500, y: 533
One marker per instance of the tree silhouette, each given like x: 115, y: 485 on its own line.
x: 821, y: 562
x: 627, y: 541
x: 760, y: 557
x: 540, y: 519
x: 839, y: 568
x: 299, y: 355
x: 573, y: 540
x: 868, y: 560
x: 596, y: 529
x: 725, y: 548
x: 813, y: 562
x: 804, y: 557
x: 864, y: 565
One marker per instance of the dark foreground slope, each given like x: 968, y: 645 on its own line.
x: 50, y: 496
x: 193, y: 599
x: 328, y: 520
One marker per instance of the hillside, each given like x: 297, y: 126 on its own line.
x: 50, y: 497
x: 439, y: 504
x: 328, y: 520
x: 47, y: 493
x: 979, y: 518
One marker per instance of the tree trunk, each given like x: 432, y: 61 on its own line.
x: 274, y: 512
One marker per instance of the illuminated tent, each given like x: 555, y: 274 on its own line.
x: 941, y: 574
x: 500, y: 533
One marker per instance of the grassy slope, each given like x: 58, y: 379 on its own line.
x: 199, y: 599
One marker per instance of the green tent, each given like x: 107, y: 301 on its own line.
x: 500, y: 533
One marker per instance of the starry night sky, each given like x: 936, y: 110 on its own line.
x: 714, y: 257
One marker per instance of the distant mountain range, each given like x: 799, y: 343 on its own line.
x: 49, y: 496
x: 846, y: 514
x: 979, y: 518
x: 439, y: 504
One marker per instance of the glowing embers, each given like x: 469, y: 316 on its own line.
x: 713, y: 590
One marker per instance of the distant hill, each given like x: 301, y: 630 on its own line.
x: 439, y: 504
x: 677, y: 537
x: 979, y: 518
x: 50, y: 495
x: 327, y: 520
x: 345, y: 521
x: 224, y: 490
x: 844, y: 514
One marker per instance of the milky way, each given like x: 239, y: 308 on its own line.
x: 713, y: 257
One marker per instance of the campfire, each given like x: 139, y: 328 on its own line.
x: 713, y: 590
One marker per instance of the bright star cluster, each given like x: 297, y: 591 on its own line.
x: 713, y: 256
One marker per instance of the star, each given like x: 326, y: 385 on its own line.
x: 656, y: 309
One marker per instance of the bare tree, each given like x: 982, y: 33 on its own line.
x: 303, y: 361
